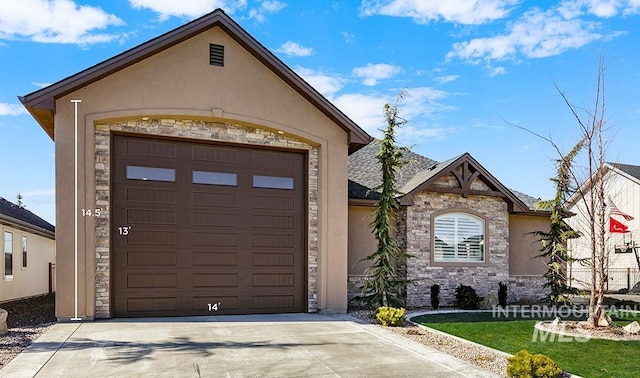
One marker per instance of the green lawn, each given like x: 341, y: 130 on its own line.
x: 590, y: 359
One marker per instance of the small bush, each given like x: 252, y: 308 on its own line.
x: 502, y: 294
x: 435, y: 296
x: 391, y: 316
x: 467, y: 298
x: 526, y: 365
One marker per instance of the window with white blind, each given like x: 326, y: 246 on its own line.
x: 458, y: 237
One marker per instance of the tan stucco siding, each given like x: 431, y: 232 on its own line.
x: 34, y: 279
x: 362, y: 243
x: 524, y: 247
x: 179, y: 83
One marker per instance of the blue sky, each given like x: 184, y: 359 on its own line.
x: 468, y: 66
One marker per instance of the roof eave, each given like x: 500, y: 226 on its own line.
x: 27, y: 226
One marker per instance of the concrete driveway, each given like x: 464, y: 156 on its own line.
x: 288, y: 345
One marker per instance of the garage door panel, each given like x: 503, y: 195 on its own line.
x: 214, y: 259
x: 151, y: 216
x: 147, y: 237
x: 151, y: 258
x: 209, y: 237
x: 278, y: 259
x: 218, y: 199
x: 146, y: 280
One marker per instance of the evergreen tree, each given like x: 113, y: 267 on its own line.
x: 554, y: 241
x: 385, y: 285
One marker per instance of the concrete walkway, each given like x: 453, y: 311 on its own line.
x: 288, y: 345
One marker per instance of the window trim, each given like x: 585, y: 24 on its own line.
x: 487, y: 244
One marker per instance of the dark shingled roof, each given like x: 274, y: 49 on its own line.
x: 365, y: 174
x: 11, y: 211
x: 631, y: 170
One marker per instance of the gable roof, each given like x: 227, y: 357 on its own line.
x: 41, y: 103
x: 628, y: 171
x: 19, y: 216
x: 631, y: 170
x: 364, y: 175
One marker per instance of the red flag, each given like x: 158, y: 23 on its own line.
x: 617, y: 227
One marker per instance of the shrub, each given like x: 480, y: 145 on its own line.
x: 391, y: 316
x: 502, y: 294
x: 467, y: 298
x: 526, y: 365
x: 435, y: 296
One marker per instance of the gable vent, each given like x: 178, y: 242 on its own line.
x: 216, y: 55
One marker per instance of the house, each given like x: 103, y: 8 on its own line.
x: 460, y: 224
x: 28, y: 250
x: 622, y: 192
x: 215, y: 179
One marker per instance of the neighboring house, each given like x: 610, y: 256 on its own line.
x: 28, y: 248
x: 622, y: 187
x: 220, y: 176
x: 460, y: 224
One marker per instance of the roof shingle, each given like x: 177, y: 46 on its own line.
x: 13, y: 211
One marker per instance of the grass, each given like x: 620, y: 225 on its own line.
x: 591, y: 359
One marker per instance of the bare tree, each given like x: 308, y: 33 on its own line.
x: 589, y: 190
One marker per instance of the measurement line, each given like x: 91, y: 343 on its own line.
x: 75, y: 217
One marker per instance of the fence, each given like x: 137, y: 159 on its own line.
x: 618, y: 278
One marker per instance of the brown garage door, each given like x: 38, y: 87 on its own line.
x: 203, y: 229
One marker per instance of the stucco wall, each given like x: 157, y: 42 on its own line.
x: 179, y: 84
x: 34, y: 279
x: 524, y: 247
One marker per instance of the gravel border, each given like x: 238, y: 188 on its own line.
x: 491, y: 360
x: 28, y: 319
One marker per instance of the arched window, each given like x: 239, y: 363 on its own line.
x: 458, y: 237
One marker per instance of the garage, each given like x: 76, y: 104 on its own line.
x: 206, y: 229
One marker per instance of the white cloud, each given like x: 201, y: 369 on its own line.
x: 496, y: 71
x: 349, y: 38
x: 266, y: 7
x: 40, y: 85
x: 445, y: 79
x: 190, y: 9
x: 536, y: 34
x: 418, y: 105
x: 598, y: 8
x: 12, y: 109
x: 294, y: 49
x: 55, y: 21
x: 471, y: 12
x: 365, y: 110
x: 371, y: 73
x: 326, y: 84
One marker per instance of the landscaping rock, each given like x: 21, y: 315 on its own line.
x: 489, y: 302
x: 556, y: 323
x: 3, y: 321
x: 632, y: 328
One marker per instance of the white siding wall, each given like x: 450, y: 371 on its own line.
x: 625, y: 193
x: 34, y: 279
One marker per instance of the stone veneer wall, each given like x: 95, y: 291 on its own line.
x: 416, y: 237
x: 205, y: 131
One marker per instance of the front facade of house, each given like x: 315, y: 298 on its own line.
x: 219, y: 176
x: 28, y: 249
x: 460, y: 225
x: 214, y: 180
x: 622, y: 187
